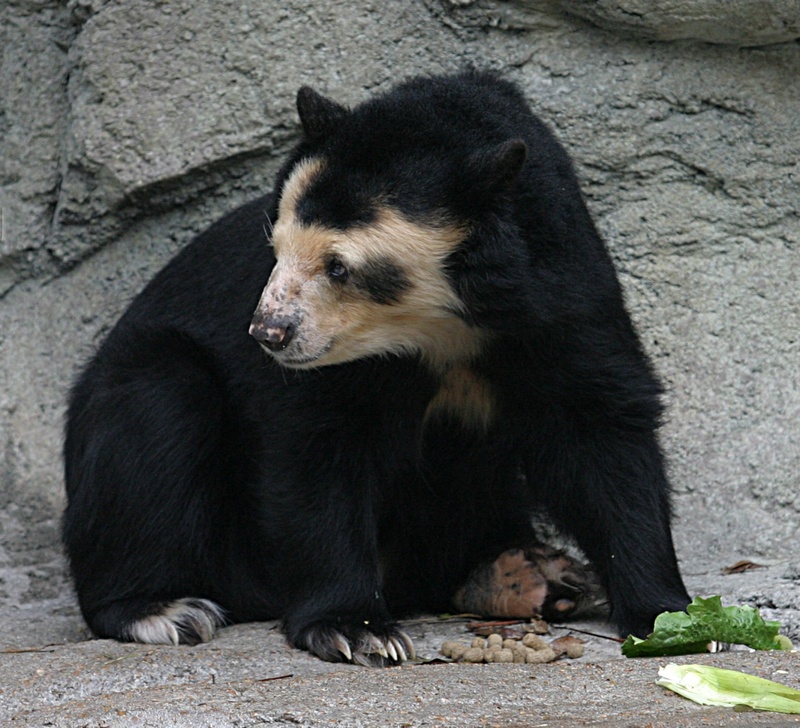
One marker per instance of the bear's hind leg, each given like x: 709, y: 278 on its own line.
x: 463, y: 537
x: 153, y: 471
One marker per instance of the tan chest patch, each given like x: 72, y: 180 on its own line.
x: 465, y: 395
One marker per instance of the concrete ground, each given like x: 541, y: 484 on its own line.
x: 52, y: 674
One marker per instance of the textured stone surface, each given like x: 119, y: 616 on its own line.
x: 34, y: 38
x: 247, y: 678
x: 736, y: 22
x: 126, y: 127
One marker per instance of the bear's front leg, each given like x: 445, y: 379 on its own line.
x: 343, y: 617
x: 329, y: 569
x: 609, y: 491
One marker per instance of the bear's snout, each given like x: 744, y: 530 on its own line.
x: 273, y: 333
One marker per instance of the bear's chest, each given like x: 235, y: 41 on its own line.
x: 464, y: 395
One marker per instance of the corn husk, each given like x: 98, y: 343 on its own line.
x: 728, y: 688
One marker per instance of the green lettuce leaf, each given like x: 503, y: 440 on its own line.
x: 705, y: 621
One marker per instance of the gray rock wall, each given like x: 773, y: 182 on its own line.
x: 126, y: 127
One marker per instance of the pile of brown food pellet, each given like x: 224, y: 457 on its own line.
x: 531, y: 649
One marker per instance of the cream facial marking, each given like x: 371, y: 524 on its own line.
x: 465, y: 395
x: 299, y: 181
x: 377, y: 288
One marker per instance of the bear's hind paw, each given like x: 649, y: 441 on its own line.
x: 573, y: 589
x: 535, y: 581
x: 185, y: 621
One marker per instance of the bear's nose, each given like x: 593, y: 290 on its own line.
x: 273, y: 334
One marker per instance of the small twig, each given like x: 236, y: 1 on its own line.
x: 111, y: 660
x: 440, y: 618
x: 497, y: 623
x: 277, y: 677
x: 586, y: 631
x: 22, y: 650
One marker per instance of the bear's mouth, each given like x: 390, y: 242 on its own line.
x: 298, y: 361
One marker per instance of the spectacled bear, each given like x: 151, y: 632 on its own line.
x: 437, y: 346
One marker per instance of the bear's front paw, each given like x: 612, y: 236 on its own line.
x: 359, y: 642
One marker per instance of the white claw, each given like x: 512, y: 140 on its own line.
x: 375, y: 646
x: 398, y: 647
x: 409, y: 645
x: 391, y: 650
x: 341, y: 644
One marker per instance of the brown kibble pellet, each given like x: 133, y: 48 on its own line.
x: 473, y: 654
x: 494, y: 640
x: 519, y: 657
x: 509, y: 644
x: 490, y: 654
x: 504, y: 655
x: 575, y: 650
x: 536, y: 657
x: 568, y: 645
x: 454, y: 650
x: 478, y: 642
x: 534, y: 641
x: 447, y: 648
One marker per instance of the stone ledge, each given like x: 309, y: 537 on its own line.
x: 729, y: 22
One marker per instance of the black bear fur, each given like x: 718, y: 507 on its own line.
x: 201, y: 472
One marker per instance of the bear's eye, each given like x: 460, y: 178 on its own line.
x: 336, y: 270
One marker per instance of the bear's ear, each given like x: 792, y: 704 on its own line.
x: 498, y: 168
x: 318, y: 115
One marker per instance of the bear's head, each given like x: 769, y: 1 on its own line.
x: 370, y: 217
